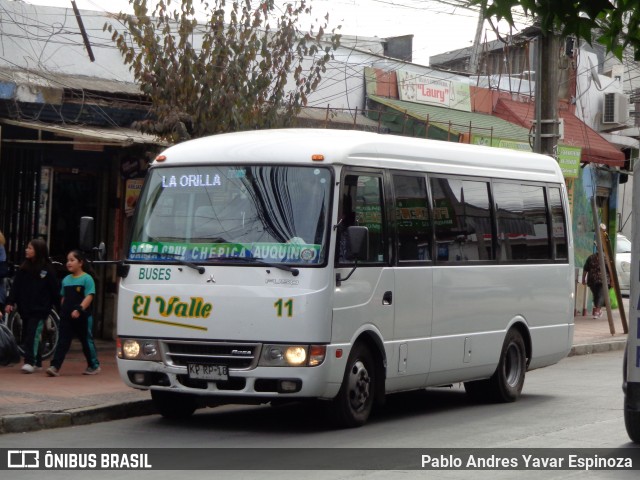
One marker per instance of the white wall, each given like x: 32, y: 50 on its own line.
x: 590, y: 101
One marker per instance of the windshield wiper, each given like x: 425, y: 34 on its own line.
x: 294, y: 271
x: 174, y: 258
x: 199, y: 268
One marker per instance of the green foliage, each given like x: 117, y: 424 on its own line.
x: 614, y: 22
x: 246, y: 66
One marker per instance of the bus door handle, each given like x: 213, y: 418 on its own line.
x: 387, y: 298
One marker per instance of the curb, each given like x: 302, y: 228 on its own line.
x: 589, y: 348
x: 29, y: 422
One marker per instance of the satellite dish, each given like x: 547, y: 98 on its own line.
x: 594, y: 74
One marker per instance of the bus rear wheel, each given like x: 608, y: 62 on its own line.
x: 174, y: 406
x: 354, y: 402
x: 505, y: 385
x: 631, y: 404
x: 632, y: 424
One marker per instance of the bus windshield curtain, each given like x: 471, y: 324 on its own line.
x: 270, y: 190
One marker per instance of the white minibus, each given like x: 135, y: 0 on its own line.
x: 281, y: 265
x: 631, y: 364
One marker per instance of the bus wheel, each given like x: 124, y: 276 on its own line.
x: 174, y: 406
x: 354, y: 402
x: 632, y: 424
x: 631, y: 413
x: 506, y: 383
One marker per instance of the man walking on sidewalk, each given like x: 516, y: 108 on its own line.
x: 592, y: 276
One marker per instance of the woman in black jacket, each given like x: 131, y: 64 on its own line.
x: 34, y: 291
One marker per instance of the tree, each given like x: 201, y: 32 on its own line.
x: 616, y: 22
x: 245, y: 66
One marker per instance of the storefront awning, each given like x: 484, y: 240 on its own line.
x: 595, y: 148
x: 459, y: 122
x: 86, y: 135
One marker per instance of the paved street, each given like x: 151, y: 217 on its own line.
x: 575, y: 404
x: 33, y: 402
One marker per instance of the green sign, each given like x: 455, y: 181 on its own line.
x: 412, y: 214
x: 569, y: 160
x: 500, y: 143
x: 300, y: 253
x: 369, y: 216
x: 444, y: 213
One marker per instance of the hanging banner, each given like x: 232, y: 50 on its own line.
x: 413, y: 87
x: 132, y: 193
x: 44, y: 204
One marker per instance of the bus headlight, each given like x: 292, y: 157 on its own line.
x: 292, y: 355
x: 295, y: 355
x: 138, y: 349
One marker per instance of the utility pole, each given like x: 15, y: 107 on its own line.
x: 546, y: 127
x: 475, y: 49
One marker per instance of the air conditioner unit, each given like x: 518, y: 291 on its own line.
x: 616, y: 108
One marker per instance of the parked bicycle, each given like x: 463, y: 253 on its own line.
x: 50, y: 331
x: 9, y: 352
x: 48, y: 338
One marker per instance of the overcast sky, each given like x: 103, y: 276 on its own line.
x: 437, y: 26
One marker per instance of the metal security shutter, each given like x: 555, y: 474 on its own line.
x: 19, y: 194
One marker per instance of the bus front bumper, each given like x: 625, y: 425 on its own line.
x: 266, y: 383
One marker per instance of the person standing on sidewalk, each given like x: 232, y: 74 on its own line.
x: 78, y: 290
x: 34, y: 292
x: 4, y: 271
x: 592, y: 277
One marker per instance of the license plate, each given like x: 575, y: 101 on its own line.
x: 207, y: 372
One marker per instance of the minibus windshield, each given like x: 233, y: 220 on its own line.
x: 213, y: 214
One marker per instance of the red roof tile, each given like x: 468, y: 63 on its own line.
x: 595, y: 148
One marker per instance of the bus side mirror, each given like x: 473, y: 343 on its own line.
x: 357, y: 249
x: 358, y: 244
x: 86, y: 240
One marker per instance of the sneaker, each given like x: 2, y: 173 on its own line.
x: 26, y: 368
x: 53, y: 372
x: 91, y: 371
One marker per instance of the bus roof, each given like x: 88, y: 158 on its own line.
x: 352, y: 147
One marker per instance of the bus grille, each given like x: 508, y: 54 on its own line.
x: 236, y: 356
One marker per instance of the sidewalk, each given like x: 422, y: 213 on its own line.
x: 36, y: 401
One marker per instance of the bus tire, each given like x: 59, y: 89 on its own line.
x: 632, y: 424
x: 507, y: 381
x: 631, y: 412
x: 354, y: 402
x: 174, y: 406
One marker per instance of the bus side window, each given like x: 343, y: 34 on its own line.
x: 462, y: 220
x: 412, y: 218
x: 522, y: 221
x: 558, y: 224
x: 362, y: 205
